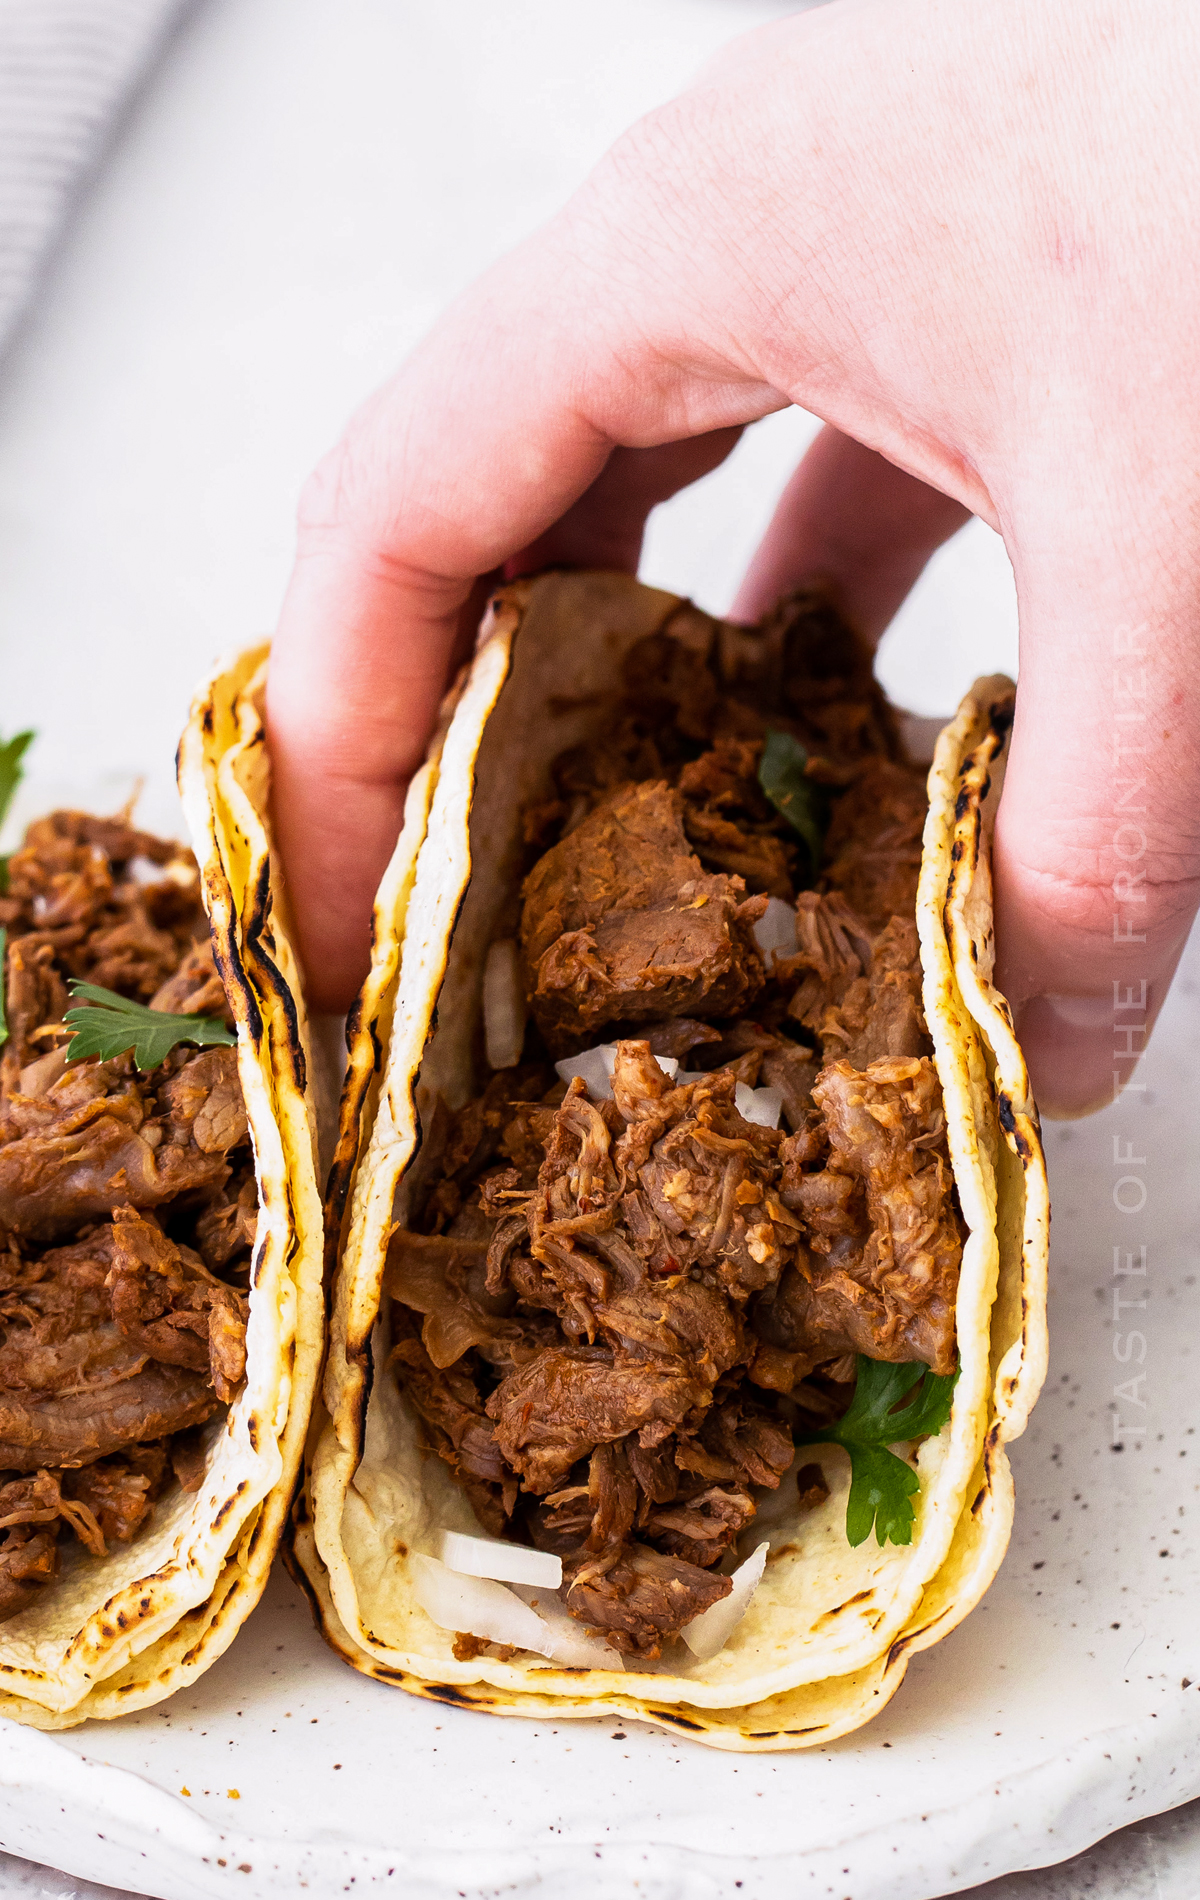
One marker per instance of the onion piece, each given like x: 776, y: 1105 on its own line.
x: 507, y: 1563
x: 595, y: 1067
x: 775, y: 931
x: 503, y: 1005
x: 474, y: 1606
x: 711, y: 1630
x: 569, y: 1642
x: 763, y: 1106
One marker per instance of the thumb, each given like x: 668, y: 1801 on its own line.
x: 1097, y: 856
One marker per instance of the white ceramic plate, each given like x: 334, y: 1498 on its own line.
x: 1057, y: 1713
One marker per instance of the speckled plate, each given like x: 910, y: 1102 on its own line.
x: 1066, y: 1706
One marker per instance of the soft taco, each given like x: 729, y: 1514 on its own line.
x: 161, y: 1308
x: 690, y: 1208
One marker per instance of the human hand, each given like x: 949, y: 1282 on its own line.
x: 963, y: 236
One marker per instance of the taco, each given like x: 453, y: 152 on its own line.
x: 690, y: 1211
x: 161, y: 1309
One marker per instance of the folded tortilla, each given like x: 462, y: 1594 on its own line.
x: 118, y: 1632
x: 831, y: 1627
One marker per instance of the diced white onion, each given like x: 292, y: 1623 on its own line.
x: 758, y: 1105
x: 711, y: 1630
x: 569, y: 1642
x: 595, y: 1067
x: 503, y: 1005
x: 507, y: 1563
x: 475, y: 1606
x: 775, y: 931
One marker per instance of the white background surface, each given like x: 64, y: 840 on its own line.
x: 304, y: 185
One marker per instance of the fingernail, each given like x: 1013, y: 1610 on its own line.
x: 1068, y: 1044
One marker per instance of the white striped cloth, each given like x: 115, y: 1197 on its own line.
x: 67, y: 68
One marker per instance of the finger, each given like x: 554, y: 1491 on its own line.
x: 1097, y: 859
x: 850, y: 517
x: 487, y: 438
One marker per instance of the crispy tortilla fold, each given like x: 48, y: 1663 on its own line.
x: 121, y: 1632
x: 830, y: 1629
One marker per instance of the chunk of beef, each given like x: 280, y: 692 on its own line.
x: 194, y: 989
x: 781, y: 1064
x: 167, y: 1303
x: 202, y: 1103
x: 681, y: 1320
x: 81, y: 1426
x: 67, y: 883
x: 444, y: 1277
x: 97, y: 1140
x: 612, y: 1496
x: 118, y: 1493
x: 678, y: 1035
x: 873, y: 847
x: 227, y: 1224
x: 131, y: 955
x: 833, y: 948
x: 702, y: 1193
x: 738, y: 1441
x: 885, y: 1236
x: 568, y: 1400
x: 58, y: 1333
x: 827, y: 680
x: 880, y: 1015
x: 620, y: 923
x: 449, y: 1402
x: 35, y: 995
x: 729, y: 821
x: 28, y: 1562
x: 703, y: 1524
x: 638, y: 1598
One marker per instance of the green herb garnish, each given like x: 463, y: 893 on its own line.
x: 12, y: 751
x: 890, y: 1403
x: 113, y: 1025
x: 783, y: 776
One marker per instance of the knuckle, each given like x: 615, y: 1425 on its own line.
x: 1159, y: 895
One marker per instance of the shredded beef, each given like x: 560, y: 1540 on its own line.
x: 572, y: 1398
x: 880, y: 1015
x: 879, y: 1273
x: 79, y: 1427
x: 621, y: 923
x: 101, y: 1138
x: 639, y: 1598
x: 609, y: 1315
x: 118, y: 1339
x: 170, y: 1306
x: 873, y: 850
x: 104, y: 1504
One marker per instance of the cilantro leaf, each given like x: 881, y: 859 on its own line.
x: 113, y: 1025
x: 12, y: 751
x: 804, y: 803
x: 3, y: 967
x: 890, y: 1403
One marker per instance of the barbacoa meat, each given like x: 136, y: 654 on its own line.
x: 102, y: 1137
x: 610, y: 1312
x: 124, y: 1198
x: 622, y: 923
